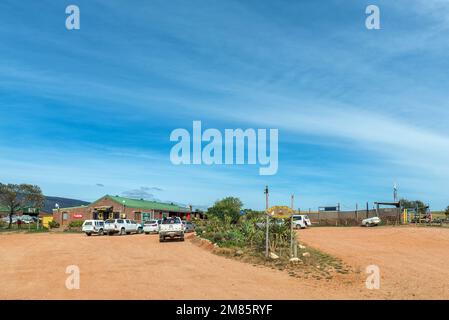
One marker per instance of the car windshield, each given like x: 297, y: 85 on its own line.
x: 109, y: 221
x: 87, y: 223
x: 297, y: 218
x: 170, y: 221
x: 120, y: 221
x: 151, y: 222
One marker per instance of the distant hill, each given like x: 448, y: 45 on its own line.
x: 49, y: 203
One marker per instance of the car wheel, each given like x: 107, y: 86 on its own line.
x: 101, y: 232
x: 161, y: 239
x: 182, y: 238
x: 147, y: 233
x: 139, y: 230
x: 88, y: 234
x: 122, y: 232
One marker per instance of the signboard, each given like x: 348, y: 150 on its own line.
x: 146, y: 216
x: 330, y: 208
x: 77, y: 216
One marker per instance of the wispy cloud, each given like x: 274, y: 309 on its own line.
x: 356, y: 109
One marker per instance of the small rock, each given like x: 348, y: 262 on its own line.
x: 318, y: 267
x: 306, y: 254
x: 295, y: 260
x: 239, y: 253
x: 301, y: 246
x: 273, y: 256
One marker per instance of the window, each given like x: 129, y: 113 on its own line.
x: 171, y: 221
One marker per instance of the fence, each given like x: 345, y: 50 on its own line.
x: 387, y: 215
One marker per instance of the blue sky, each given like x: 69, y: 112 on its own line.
x: 90, y: 111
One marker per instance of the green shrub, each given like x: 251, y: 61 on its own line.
x: 53, y: 224
x: 76, y: 224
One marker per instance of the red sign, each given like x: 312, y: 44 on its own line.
x: 77, y: 215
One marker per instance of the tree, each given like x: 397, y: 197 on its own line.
x: 407, y: 204
x: 446, y: 212
x: 227, y: 208
x: 18, y: 196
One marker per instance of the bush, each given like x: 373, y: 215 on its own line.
x: 76, y: 224
x: 53, y: 224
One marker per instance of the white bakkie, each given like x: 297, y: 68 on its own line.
x: 121, y: 226
x: 301, y: 221
x: 171, y: 228
x: 93, y: 226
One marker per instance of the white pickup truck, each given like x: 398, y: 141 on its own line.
x: 122, y: 226
x: 171, y: 228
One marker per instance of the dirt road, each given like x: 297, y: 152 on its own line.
x: 413, y: 264
x: 33, y: 266
x: 413, y: 261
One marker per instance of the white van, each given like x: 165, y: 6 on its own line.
x: 301, y: 221
x: 93, y: 226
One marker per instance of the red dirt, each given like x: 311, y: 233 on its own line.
x: 413, y: 261
x: 413, y: 264
x: 139, y: 267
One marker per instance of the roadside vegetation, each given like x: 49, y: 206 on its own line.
x: 240, y: 234
x: 25, y: 228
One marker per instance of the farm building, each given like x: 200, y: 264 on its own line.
x: 115, y: 207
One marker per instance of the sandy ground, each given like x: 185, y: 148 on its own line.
x: 413, y: 261
x: 414, y: 264
x: 33, y: 266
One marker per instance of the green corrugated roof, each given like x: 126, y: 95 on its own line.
x: 147, y: 205
x: 6, y: 209
x: 66, y: 208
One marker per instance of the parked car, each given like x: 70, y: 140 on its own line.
x: 371, y: 222
x: 276, y: 221
x: 93, y: 226
x: 301, y: 221
x: 122, y: 226
x: 151, y: 226
x: 188, y: 226
x: 171, y: 228
x: 6, y: 219
x: 26, y: 219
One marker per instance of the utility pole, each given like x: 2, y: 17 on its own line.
x: 266, y: 223
x: 395, y: 192
x: 367, y: 209
x: 59, y: 213
x: 291, y: 227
